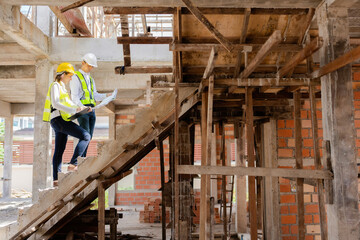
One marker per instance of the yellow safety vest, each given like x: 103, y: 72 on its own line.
x: 87, y: 97
x: 64, y: 99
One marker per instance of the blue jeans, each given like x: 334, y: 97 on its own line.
x: 62, y: 130
x: 87, y: 122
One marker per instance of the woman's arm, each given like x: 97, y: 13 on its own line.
x: 55, y: 100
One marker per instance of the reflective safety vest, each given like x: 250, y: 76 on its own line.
x: 64, y: 100
x: 87, y: 97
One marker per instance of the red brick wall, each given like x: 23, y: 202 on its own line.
x: 23, y: 151
x: 147, y: 179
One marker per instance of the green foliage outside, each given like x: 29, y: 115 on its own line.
x: 2, y: 133
x: 96, y: 201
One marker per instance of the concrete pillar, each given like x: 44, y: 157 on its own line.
x: 42, y: 177
x: 338, y: 124
x: 8, y: 156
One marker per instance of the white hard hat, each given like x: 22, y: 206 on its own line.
x: 90, y: 59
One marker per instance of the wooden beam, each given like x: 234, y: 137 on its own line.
x: 201, y: 18
x: 288, y: 6
x: 299, y: 165
x: 318, y: 165
x: 255, y: 171
x: 56, y: 10
x: 144, y: 40
x: 125, y: 33
x: 306, y: 26
x: 75, y: 5
x: 273, y: 40
x: 143, y: 69
x: 349, y: 57
x: 101, y: 210
x: 211, y: 62
x: 204, y: 10
x: 251, y: 161
x: 246, y: 47
x: 308, y: 50
x: 23, y: 31
x: 242, y: 40
x: 259, y: 82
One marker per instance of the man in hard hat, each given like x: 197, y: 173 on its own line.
x: 83, y: 92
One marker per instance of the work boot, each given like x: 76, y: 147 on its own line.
x: 55, y: 183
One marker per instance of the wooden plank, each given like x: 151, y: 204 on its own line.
x: 176, y: 160
x: 166, y: 3
x: 306, y: 26
x: 209, y: 127
x: 202, y: 46
x: 300, y: 56
x: 272, y: 41
x: 317, y: 161
x: 255, y: 171
x: 143, y: 69
x: 204, y: 183
x: 329, y: 190
x: 204, y: 10
x: 201, y: 18
x: 56, y: 10
x: 223, y: 180
x: 299, y: 165
x: 349, y: 57
x: 163, y: 204
x: 271, y: 82
x: 101, y: 210
x: 144, y: 40
x: 75, y: 5
x: 242, y: 40
x: 251, y: 162
x: 125, y: 33
x: 211, y: 62
x: 272, y: 206
x: 241, y: 212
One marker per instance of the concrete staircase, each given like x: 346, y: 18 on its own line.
x: 57, y: 206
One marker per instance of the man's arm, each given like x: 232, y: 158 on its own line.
x: 99, y: 96
x: 76, y: 90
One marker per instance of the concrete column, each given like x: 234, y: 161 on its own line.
x: 42, y: 177
x: 8, y: 156
x: 338, y: 124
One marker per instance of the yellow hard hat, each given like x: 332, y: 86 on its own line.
x: 65, y: 67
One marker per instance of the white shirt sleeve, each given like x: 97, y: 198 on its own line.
x: 76, y: 90
x: 98, y: 96
x: 55, y: 100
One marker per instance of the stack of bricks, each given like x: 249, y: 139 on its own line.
x: 152, y: 212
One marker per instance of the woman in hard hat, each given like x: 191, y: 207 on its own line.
x: 83, y: 92
x: 57, y: 110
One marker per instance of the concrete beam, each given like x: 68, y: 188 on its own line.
x: 22, y: 109
x: 106, y: 50
x: 342, y: 3
x: 23, y: 31
x: 14, y: 54
x: 177, y: 3
x: 5, y: 109
x: 17, y: 72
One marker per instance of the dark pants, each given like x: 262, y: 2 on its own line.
x: 62, y: 130
x: 87, y: 122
